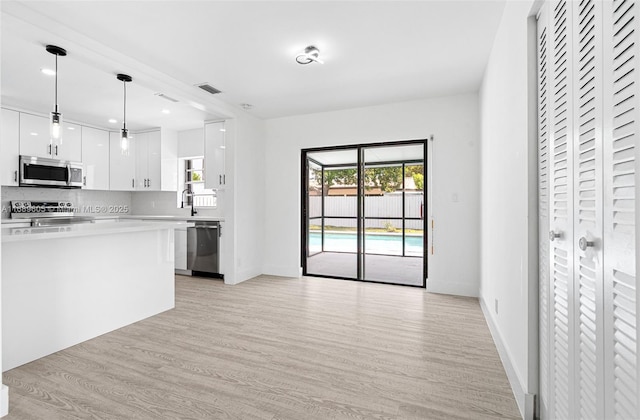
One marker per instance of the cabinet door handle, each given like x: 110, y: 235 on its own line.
x: 49, y: 150
x: 554, y: 235
x: 220, y: 179
x: 56, y: 150
x: 149, y: 182
x: 133, y: 183
x: 84, y: 180
x: 224, y: 179
x: 15, y: 176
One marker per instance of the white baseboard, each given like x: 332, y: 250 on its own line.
x: 282, y: 271
x: 4, y: 401
x: 525, y: 401
x: 452, y: 288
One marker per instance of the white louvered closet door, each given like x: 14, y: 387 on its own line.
x: 588, y: 134
x: 587, y: 219
x: 561, y: 212
x: 621, y: 22
x: 543, y: 206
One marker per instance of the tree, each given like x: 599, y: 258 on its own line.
x: 333, y: 177
x: 418, y: 179
x: 388, y: 178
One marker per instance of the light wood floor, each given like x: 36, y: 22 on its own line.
x: 275, y: 348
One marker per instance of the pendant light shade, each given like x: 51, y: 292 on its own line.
x: 124, y: 133
x: 56, y: 117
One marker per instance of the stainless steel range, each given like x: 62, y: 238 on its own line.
x: 47, y: 213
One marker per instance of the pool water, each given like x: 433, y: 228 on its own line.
x: 388, y: 244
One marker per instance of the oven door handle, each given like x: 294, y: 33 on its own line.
x: 68, y: 174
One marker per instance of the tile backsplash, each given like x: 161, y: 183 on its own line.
x: 95, y: 203
x: 107, y: 203
x: 166, y: 203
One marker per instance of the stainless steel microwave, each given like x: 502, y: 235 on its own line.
x: 37, y: 171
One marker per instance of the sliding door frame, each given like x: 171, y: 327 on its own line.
x: 360, y: 148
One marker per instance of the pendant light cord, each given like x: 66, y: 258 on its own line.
x: 56, y: 88
x: 124, y: 117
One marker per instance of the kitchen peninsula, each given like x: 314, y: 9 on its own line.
x: 65, y: 285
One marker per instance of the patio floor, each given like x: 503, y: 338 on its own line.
x: 383, y: 268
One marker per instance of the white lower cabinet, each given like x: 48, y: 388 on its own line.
x: 181, y: 248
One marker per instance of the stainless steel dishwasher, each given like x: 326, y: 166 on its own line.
x: 203, y: 249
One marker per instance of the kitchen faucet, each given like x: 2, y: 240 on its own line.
x: 182, y: 196
x: 193, y: 210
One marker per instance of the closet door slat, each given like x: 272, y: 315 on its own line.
x: 620, y: 143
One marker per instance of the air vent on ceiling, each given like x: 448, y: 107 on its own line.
x: 207, y: 87
x: 168, y: 98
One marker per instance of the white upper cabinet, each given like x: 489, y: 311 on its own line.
x: 9, y: 147
x: 156, y: 160
x: 34, y: 136
x: 95, y: 158
x: 152, y: 163
x: 35, y: 139
x: 70, y: 146
x: 214, y: 155
x: 122, y: 167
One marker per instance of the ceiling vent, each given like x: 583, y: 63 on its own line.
x: 207, y: 87
x: 168, y: 98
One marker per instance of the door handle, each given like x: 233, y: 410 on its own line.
x: 84, y: 180
x: 220, y: 179
x: 583, y: 243
x: 133, y: 183
x: 15, y: 176
x: 554, y: 235
x: 49, y: 150
x: 149, y: 182
x: 56, y: 150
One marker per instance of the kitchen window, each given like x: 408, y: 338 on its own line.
x: 192, y: 177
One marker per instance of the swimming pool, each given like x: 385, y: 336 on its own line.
x: 388, y: 244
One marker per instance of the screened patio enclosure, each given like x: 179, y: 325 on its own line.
x: 363, y: 212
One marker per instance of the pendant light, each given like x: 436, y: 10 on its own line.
x: 124, y: 133
x: 56, y: 117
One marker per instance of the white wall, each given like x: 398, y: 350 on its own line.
x: 191, y: 143
x: 509, y: 191
x: 454, y: 121
x: 244, y: 208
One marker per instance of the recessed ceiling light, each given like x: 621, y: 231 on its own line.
x: 71, y: 128
x: 166, y: 111
x: 113, y: 120
x: 48, y: 72
x: 33, y: 134
x: 223, y: 129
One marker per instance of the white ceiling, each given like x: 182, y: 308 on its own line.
x: 374, y: 52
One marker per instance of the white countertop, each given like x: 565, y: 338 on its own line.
x: 15, y: 234
x: 171, y: 217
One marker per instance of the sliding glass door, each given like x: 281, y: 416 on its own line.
x: 363, y: 209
